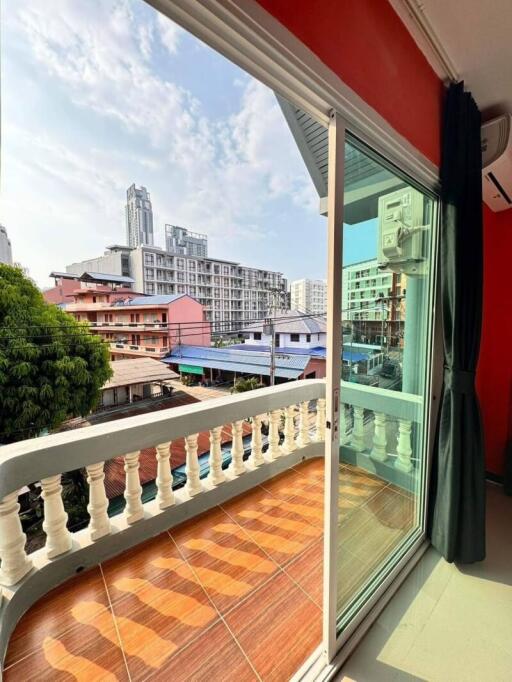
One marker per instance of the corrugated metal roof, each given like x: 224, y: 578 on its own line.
x: 102, y: 277
x: 137, y: 371
x: 292, y: 322
x: 317, y: 351
x: 159, y: 299
x: 289, y: 367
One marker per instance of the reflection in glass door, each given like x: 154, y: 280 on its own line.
x: 388, y: 237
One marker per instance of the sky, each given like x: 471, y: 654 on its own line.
x: 98, y: 94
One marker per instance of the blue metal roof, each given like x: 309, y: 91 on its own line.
x: 238, y: 361
x: 316, y: 352
x: 159, y: 299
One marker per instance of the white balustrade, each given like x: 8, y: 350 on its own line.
x: 320, y: 420
x: 58, y: 537
x: 357, y: 440
x: 256, y: 457
x: 99, y: 525
x: 216, y: 475
x: 237, y: 466
x: 134, y: 510
x: 289, y: 430
x: 274, y: 450
x: 403, y: 461
x: 344, y: 436
x: 165, y: 494
x: 15, y: 563
x: 192, y: 466
x: 303, y: 438
x: 378, y: 452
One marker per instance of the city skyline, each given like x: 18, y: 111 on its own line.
x: 215, y: 153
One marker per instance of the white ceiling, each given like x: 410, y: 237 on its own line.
x: 477, y: 37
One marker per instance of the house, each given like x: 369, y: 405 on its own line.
x: 352, y: 544
x: 136, y: 325
x: 136, y: 379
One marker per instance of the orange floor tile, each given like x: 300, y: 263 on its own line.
x: 220, y: 597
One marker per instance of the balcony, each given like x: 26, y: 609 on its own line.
x: 129, y: 349
x: 219, y: 570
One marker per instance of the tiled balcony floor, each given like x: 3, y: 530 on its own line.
x: 234, y: 594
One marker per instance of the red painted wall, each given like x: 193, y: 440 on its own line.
x: 187, y: 310
x: 494, y: 378
x: 365, y: 43
x: 61, y: 293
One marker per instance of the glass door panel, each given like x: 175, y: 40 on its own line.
x: 388, y: 237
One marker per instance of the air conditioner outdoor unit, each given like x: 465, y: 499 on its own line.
x: 497, y: 163
x: 404, y: 222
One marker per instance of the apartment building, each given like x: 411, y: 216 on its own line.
x: 373, y: 301
x: 139, y: 216
x: 230, y: 293
x: 182, y: 242
x: 5, y: 247
x: 309, y: 295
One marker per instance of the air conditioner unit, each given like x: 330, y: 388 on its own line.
x: 497, y: 163
x: 404, y: 222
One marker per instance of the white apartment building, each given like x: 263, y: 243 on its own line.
x: 231, y: 294
x: 309, y: 295
x: 5, y: 247
x: 139, y: 217
x: 183, y: 242
x: 362, y: 285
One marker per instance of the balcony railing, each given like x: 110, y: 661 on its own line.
x: 154, y: 350
x: 379, y: 431
x: 24, y: 578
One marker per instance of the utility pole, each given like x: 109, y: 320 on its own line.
x: 268, y: 328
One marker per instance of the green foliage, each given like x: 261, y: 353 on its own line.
x: 246, y: 384
x: 51, y: 367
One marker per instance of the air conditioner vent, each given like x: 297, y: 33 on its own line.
x: 497, y: 163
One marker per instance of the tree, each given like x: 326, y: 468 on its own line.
x: 51, y: 366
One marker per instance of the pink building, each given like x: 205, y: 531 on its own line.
x: 62, y: 292
x: 141, y: 326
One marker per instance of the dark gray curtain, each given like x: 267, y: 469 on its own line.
x: 457, y: 513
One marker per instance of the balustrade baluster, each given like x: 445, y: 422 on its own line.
x: 99, y: 525
x: 404, y: 449
x: 273, y: 451
x: 134, y: 511
x: 237, y: 466
x: 165, y: 494
x: 192, y: 466
x: 357, y: 441
x: 256, y: 456
x: 320, y: 420
x: 303, y: 437
x: 216, y: 474
x: 15, y: 562
x: 289, y: 430
x: 58, y: 537
x: 378, y: 452
x: 344, y: 437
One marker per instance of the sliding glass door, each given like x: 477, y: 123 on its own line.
x: 378, y: 474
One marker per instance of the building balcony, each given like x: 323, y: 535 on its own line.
x: 210, y: 579
x: 131, y: 349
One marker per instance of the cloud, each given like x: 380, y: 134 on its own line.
x: 170, y: 33
x: 216, y: 175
